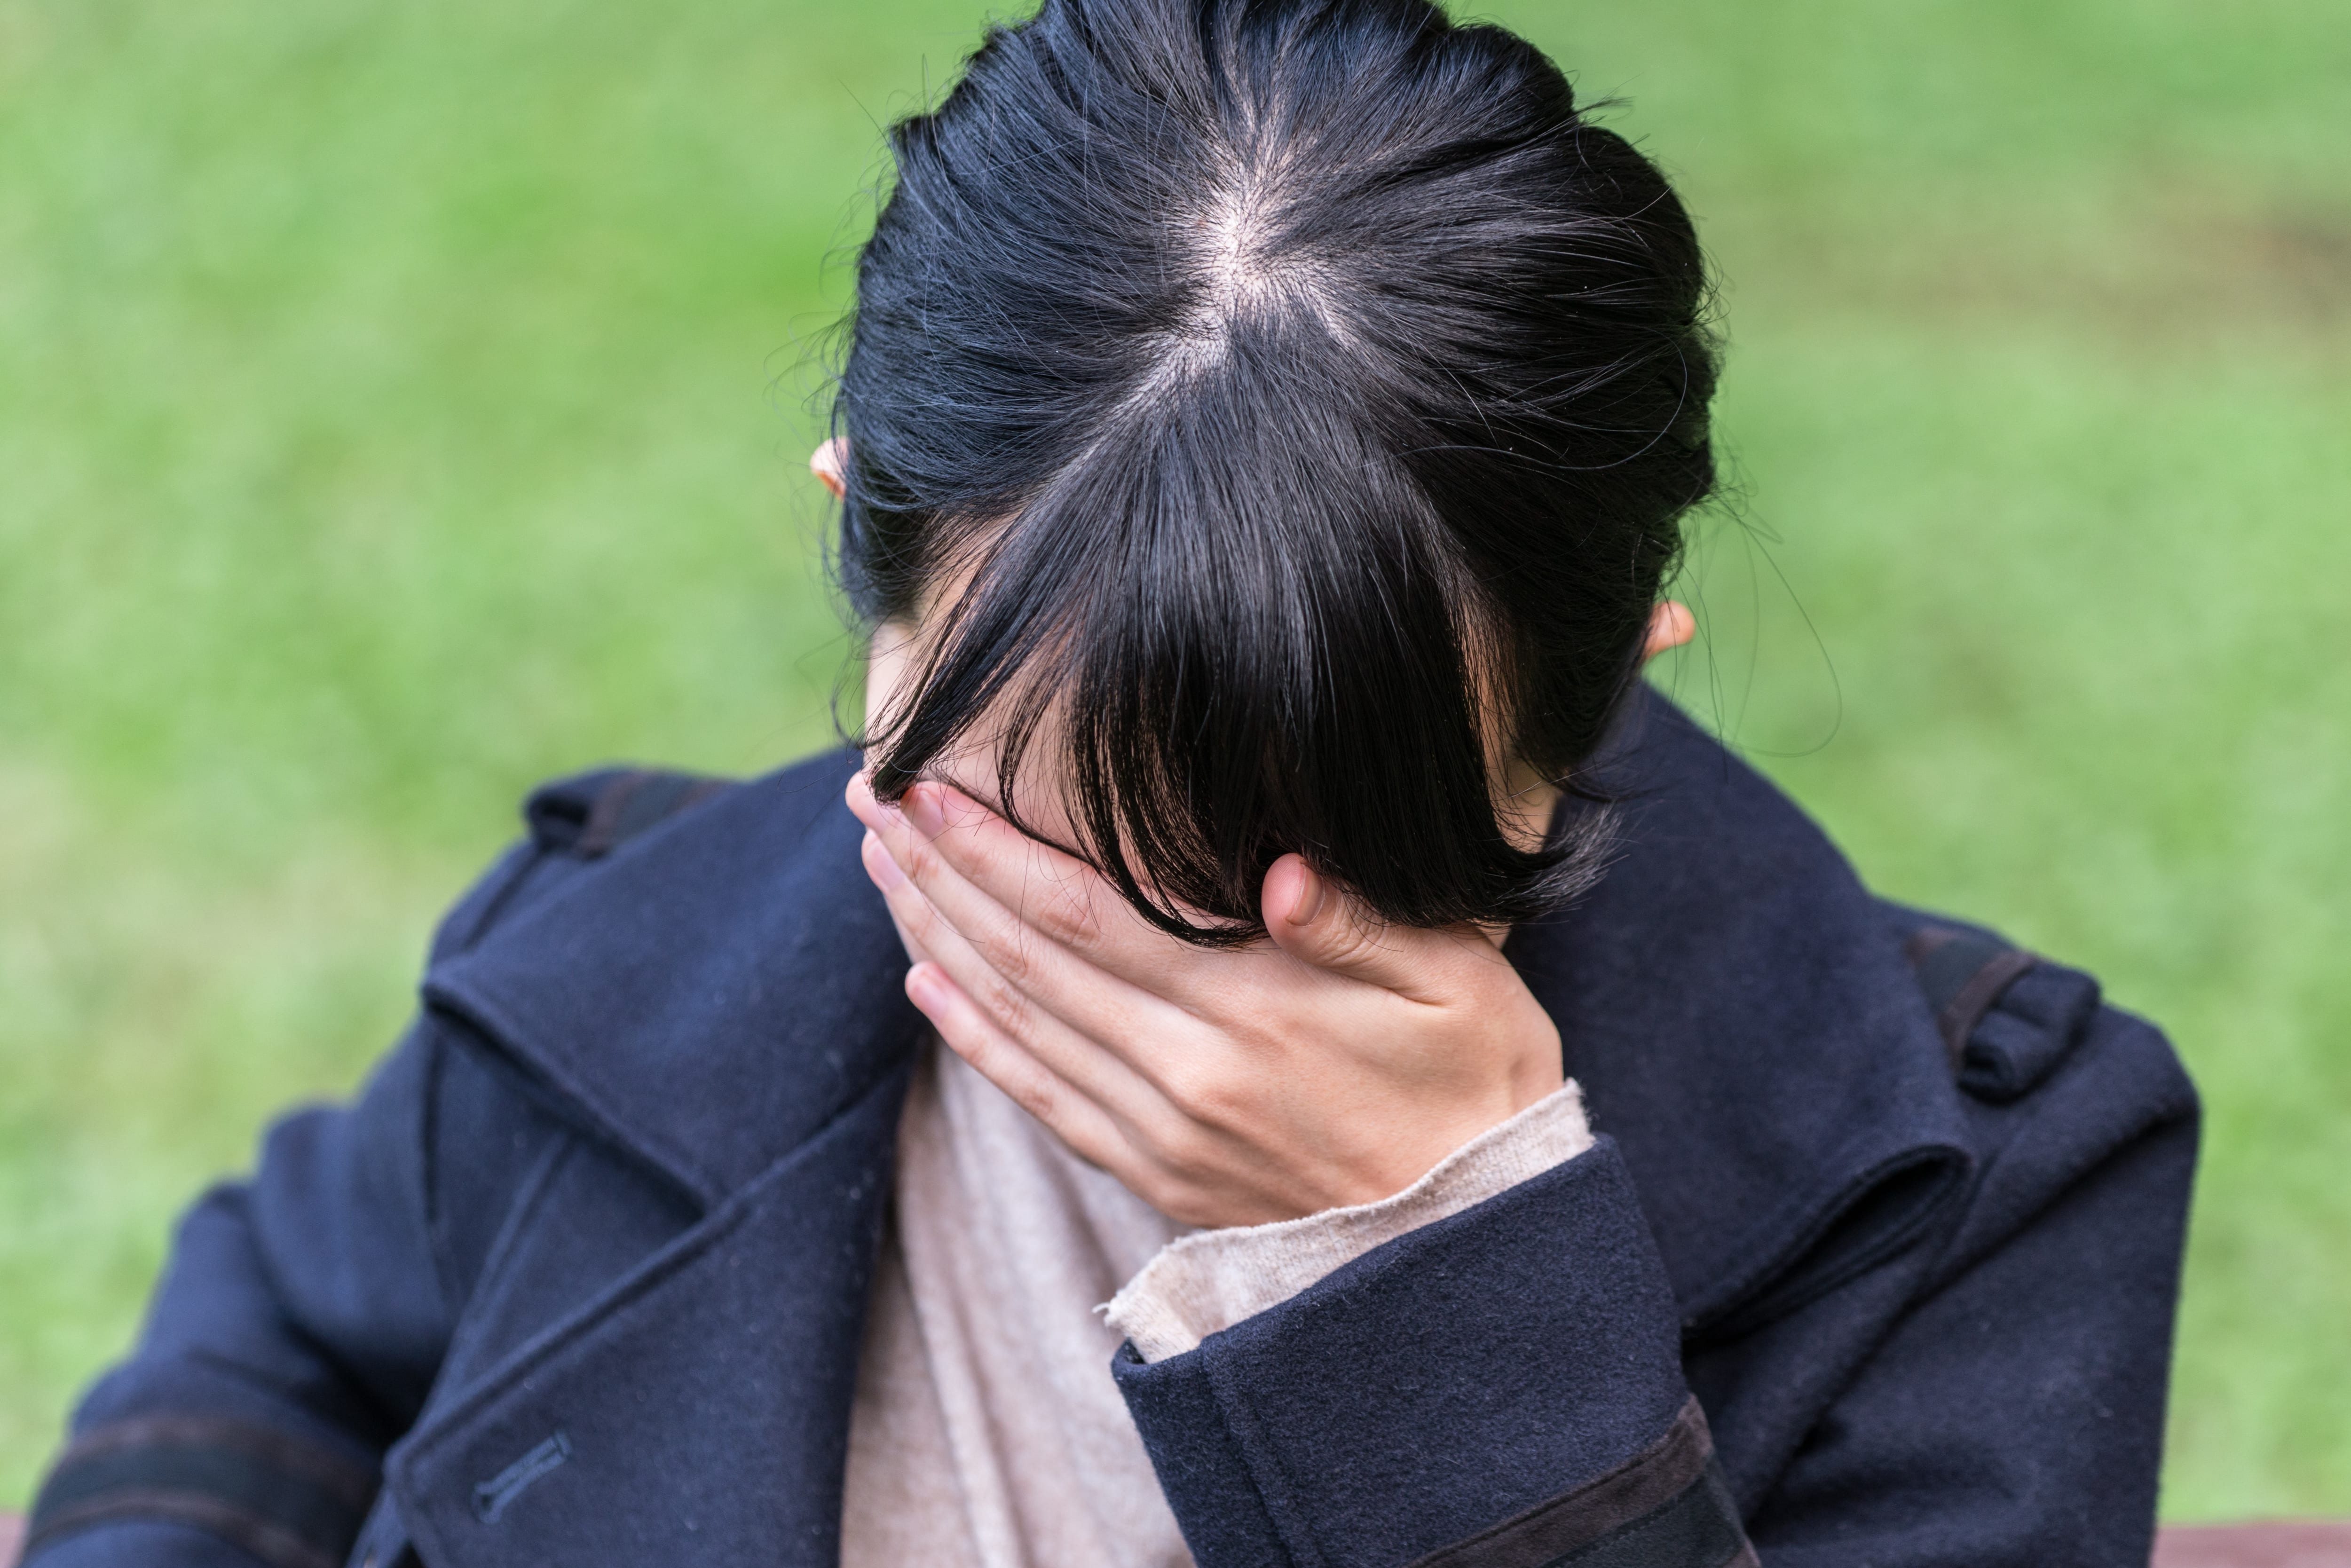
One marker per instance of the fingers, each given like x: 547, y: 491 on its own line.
x: 1018, y: 1003
x: 1006, y: 889
x: 1010, y: 1010
x: 1015, y: 942
x: 1095, y: 1102
x: 1055, y: 929
x: 1124, y: 1147
x: 1037, y: 1089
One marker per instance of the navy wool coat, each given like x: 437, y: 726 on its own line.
x: 1874, y: 1263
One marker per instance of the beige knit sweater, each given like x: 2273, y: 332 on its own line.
x: 987, y: 1432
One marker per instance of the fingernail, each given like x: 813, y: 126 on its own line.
x: 1309, y: 902
x: 878, y: 864
x: 922, y: 806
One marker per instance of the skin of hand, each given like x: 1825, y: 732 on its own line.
x: 1331, y: 1064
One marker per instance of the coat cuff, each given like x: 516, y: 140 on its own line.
x: 1199, y: 1284
x: 1499, y: 1388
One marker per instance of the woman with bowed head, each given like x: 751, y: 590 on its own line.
x: 1274, y: 1046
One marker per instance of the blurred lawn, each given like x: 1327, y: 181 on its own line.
x: 399, y: 404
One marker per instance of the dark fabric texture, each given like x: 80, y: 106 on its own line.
x: 1408, y: 1485
x: 582, y: 1271
x: 1673, y: 1479
x: 290, y: 1504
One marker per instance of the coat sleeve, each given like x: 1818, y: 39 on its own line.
x: 1501, y: 1387
x: 300, y: 1320
x: 289, y: 1340
x: 1507, y: 1386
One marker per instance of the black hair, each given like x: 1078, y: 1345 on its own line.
x: 1310, y: 396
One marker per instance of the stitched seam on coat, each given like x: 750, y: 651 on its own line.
x: 528, y: 1196
x: 1727, y: 1307
x: 500, y: 896
x: 489, y: 1015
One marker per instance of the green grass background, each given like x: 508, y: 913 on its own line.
x: 402, y: 403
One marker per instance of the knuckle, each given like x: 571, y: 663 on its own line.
x: 1015, y: 961
x: 1357, y: 943
x: 922, y: 860
x: 916, y: 914
x: 967, y: 1041
x: 1167, y: 1193
x: 1038, y: 1095
x: 1064, y: 913
x: 1189, y: 1201
x: 970, y: 851
x: 1203, y: 1093
x: 1180, y: 1083
x: 1005, y: 1004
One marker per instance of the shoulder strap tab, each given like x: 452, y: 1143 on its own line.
x: 631, y: 802
x: 1962, y: 974
x: 2008, y: 1016
x: 592, y: 814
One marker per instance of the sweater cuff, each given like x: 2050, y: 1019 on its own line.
x: 1199, y: 1284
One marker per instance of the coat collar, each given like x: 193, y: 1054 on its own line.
x: 1741, y: 1015
x: 709, y: 996
x: 1735, y: 1005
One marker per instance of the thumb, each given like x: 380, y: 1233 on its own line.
x: 1318, y: 922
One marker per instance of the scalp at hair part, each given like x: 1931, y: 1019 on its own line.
x: 1302, y: 397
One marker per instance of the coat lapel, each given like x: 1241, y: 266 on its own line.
x: 720, y: 1003
x: 696, y: 1412
x: 709, y: 996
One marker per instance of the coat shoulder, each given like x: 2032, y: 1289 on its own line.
x: 573, y: 823
x: 2010, y: 1020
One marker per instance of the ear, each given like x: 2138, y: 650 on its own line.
x: 830, y: 463
x: 1670, y: 625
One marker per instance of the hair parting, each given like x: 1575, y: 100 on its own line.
x: 1280, y: 415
